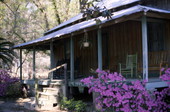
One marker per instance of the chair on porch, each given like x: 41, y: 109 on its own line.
x: 130, y: 68
x: 156, y: 61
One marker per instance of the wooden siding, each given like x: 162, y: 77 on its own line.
x: 168, y: 39
x: 59, y: 50
x: 118, y: 41
x: 124, y: 38
x: 87, y: 57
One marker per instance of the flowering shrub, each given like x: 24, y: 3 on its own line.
x: 120, y: 95
x: 5, y: 81
x: 166, y: 75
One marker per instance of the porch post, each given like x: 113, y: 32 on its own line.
x: 34, y: 62
x: 51, y: 58
x: 145, y: 48
x: 99, y: 43
x: 20, y: 65
x: 71, y: 59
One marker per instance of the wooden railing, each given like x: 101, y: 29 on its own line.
x: 65, y: 76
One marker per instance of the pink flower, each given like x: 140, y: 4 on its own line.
x: 115, y: 92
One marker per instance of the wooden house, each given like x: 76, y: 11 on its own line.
x: 140, y: 27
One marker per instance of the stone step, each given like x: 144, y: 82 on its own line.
x: 30, y: 105
x: 52, y: 90
x: 49, y: 96
x: 43, y: 101
x: 43, y: 104
x: 46, y: 104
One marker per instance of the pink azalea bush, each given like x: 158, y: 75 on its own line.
x: 5, y: 81
x: 166, y: 75
x: 117, y: 94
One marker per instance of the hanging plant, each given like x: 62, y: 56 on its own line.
x: 85, y: 43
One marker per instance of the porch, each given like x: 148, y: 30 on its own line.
x: 109, y: 46
x: 117, y: 41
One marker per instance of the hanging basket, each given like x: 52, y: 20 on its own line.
x: 86, y: 44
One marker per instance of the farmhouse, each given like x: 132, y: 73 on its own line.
x: 137, y: 35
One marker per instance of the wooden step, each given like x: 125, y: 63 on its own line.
x: 46, y: 104
x: 52, y: 90
x: 56, y: 83
x: 49, y: 96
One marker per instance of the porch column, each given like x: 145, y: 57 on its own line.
x: 99, y: 43
x: 20, y: 65
x: 145, y: 48
x: 51, y: 59
x: 34, y: 62
x: 71, y: 59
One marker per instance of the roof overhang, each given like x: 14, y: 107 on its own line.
x: 119, y: 16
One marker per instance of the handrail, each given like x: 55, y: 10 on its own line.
x: 49, y: 71
x: 58, y: 67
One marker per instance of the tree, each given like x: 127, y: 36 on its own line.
x: 91, y: 10
x: 6, y: 53
x: 25, y: 20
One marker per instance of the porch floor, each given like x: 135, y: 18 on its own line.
x: 151, y: 84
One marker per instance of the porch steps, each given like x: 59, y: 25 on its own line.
x: 48, y: 95
x: 48, y: 98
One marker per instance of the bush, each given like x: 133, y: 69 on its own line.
x: 116, y: 94
x: 73, y: 106
x: 14, y: 90
x: 9, y: 86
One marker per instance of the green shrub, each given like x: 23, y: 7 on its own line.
x: 14, y: 90
x: 72, y: 105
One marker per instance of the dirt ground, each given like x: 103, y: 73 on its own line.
x: 18, y: 106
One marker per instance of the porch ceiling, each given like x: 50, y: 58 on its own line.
x: 121, y: 15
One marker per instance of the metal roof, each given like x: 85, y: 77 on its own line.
x: 90, y: 23
x: 109, y: 4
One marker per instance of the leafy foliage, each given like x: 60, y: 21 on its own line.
x: 6, y: 53
x: 7, y: 83
x: 25, y: 20
x: 166, y: 75
x: 72, y: 105
x: 90, y: 10
x: 115, y: 93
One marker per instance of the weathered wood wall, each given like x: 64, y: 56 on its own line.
x: 86, y: 58
x: 168, y: 39
x: 124, y: 38
x: 59, y: 50
x: 118, y: 41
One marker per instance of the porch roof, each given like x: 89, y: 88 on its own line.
x: 88, y: 24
